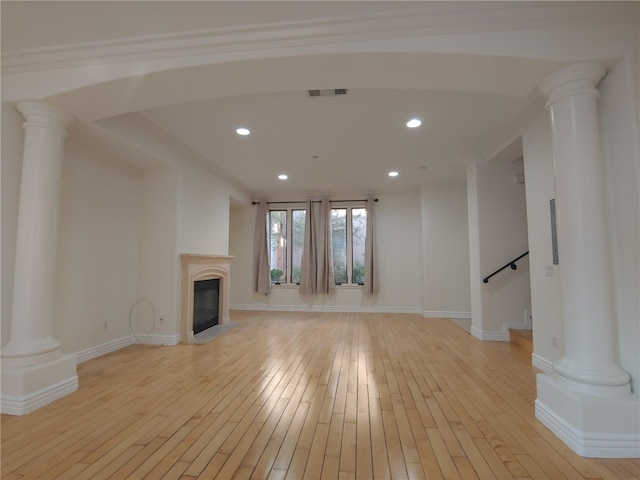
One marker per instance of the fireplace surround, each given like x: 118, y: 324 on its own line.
x: 197, y: 267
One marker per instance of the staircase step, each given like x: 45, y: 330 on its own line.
x: 522, y: 338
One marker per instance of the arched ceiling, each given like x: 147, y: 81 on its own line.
x: 485, y: 75
x: 194, y: 71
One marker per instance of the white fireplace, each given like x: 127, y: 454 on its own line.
x: 203, y: 267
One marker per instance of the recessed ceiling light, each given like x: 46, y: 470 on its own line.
x: 243, y: 131
x: 282, y: 176
x: 393, y: 174
x: 414, y: 122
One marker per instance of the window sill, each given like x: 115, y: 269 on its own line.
x: 284, y: 286
x: 293, y: 286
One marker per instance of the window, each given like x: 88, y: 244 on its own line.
x: 285, y: 257
x: 348, y: 229
x: 297, y: 237
x: 358, y: 235
x: 278, y: 246
x: 339, y: 237
x: 286, y: 243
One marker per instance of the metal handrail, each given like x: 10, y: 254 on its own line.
x: 511, y: 264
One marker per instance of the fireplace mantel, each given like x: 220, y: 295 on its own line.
x: 197, y: 267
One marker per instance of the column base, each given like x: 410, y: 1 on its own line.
x: 27, y: 388
x: 605, y: 381
x: 590, y: 426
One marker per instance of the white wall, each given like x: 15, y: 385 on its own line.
x: 398, y: 235
x: 621, y: 176
x: 98, y: 243
x: 497, y: 235
x: 546, y: 303
x: 445, y: 251
x: 98, y: 248
x: 203, y: 212
x: 11, y: 173
x: 475, y: 272
x: 241, y: 225
x: 121, y: 232
x: 159, y: 265
x: 186, y: 210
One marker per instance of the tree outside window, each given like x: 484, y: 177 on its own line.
x: 286, y: 240
x: 278, y: 245
x: 297, y: 240
x: 348, y: 229
x: 359, y: 232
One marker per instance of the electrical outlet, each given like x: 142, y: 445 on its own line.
x: 554, y: 341
x: 549, y: 270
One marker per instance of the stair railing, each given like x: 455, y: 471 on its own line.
x: 511, y: 264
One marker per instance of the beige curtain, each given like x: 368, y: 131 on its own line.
x: 316, y: 271
x: 262, y: 280
x: 371, y: 286
x: 308, y: 267
x: 326, y: 277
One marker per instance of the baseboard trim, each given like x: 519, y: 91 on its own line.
x: 324, y: 308
x: 600, y: 445
x: 542, y: 363
x: 148, y: 339
x: 117, y: 344
x: 14, y: 405
x: 103, y: 349
x: 500, y: 335
x: 490, y: 336
x: 445, y: 314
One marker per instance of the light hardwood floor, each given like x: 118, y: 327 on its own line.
x: 289, y: 395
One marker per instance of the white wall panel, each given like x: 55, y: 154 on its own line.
x: 445, y: 249
x: 98, y: 248
x: 398, y: 235
x: 545, y: 289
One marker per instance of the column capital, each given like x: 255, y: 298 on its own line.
x: 573, y: 80
x: 45, y: 116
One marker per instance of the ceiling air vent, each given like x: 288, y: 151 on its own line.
x: 328, y: 92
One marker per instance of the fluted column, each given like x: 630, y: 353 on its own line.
x: 31, y: 339
x: 588, y: 365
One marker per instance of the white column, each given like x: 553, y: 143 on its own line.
x: 34, y: 372
x: 589, y: 361
x: 31, y: 338
x: 587, y: 401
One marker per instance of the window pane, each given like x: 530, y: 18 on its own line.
x: 278, y: 245
x: 359, y: 231
x: 297, y: 240
x: 339, y: 233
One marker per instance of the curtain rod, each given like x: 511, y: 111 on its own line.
x: 318, y: 201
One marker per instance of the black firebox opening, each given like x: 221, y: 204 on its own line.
x: 205, y: 304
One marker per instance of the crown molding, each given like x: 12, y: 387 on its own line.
x: 431, y: 19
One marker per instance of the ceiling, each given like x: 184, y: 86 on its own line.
x: 357, y: 138
x: 261, y: 59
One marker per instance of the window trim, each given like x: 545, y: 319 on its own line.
x: 290, y: 250
x: 349, y: 206
x: 350, y: 246
x: 289, y: 207
x: 285, y: 246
